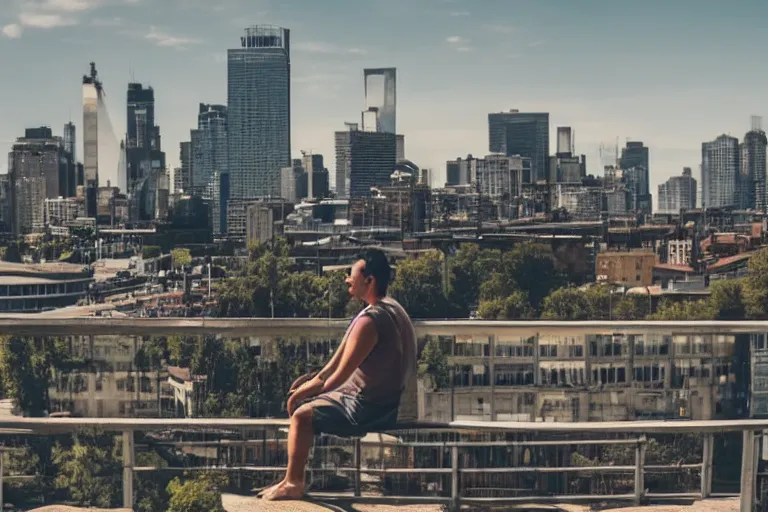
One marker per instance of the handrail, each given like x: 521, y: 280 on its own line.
x: 38, y: 324
x: 751, y: 429
x: 607, y: 427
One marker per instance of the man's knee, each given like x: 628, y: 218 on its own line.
x: 302, y: 417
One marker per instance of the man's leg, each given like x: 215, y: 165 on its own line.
x: 300, y: 437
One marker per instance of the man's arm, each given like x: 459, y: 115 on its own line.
x: 359, y: 344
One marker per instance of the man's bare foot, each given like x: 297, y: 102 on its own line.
x: 269, y: 489
x: 285, y: 491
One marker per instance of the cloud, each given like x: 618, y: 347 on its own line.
x: 48, y: 14
x: 164, y: 39
x: 456, y: 40
x: 459, y: 44
x: 534, y: 44
x: 40, y: 20
x: 12, y: 31
x: 500, y: 28
x: 327, y: 49
x: 67, y: 5
x: 107, y: 22
x: 456, y: 14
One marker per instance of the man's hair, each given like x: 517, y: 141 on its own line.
x: 377, y: 266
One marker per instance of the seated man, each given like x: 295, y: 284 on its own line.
x: 359, y: 390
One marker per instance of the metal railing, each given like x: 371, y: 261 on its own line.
x: 459, y: 440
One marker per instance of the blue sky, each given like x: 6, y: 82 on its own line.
x: 672, y: 73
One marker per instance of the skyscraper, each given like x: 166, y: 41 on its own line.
x: 752, y: 190
x: 363, y: 160
x: 636, y: 176
x: 70, y: 140
x: 521, y: 133
x: 143, y: 152
x: 92, y: 91
x: 39, y: 168
x: 259, y: 111
x: 380, y: 100
x: 209, y: 146
x: 719, y: 172
x: 678, y: 193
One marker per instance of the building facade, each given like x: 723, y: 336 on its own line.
x: 678, y: 193
x: 259, y: 111
x: 363, y: 160
x: 521, y: 133
x: 720, y: 170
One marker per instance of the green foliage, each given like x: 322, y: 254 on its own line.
x: 516, y: 306
x: 433, y: 365
x: 13, y: 252
x: 26, y: 366
x: 685, y: 310
x: 150, y: 251
x: 418, y: 286
x: 151, y: 488
x: 755, y: 291
x: 199, y: 494
x: 181, y: 257
x: 90, y: 470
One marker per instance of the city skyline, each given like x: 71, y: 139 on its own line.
x: 592, y: 69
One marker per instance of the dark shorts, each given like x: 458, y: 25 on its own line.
x: 351, y: 417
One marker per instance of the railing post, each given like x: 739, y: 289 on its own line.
x: 358, y: 465
x: 640, y: 470
x: 748, y: 472
x: 128, y: 457
x: 455, y: 495
x: 2, y: 478
x: 708, y: 448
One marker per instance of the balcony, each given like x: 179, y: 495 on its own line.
x: 490, y: 438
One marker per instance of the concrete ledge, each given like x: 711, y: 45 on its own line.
x: 236, y: 503
x: 65, y: 508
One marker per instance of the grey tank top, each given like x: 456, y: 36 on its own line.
x: 389, y: 371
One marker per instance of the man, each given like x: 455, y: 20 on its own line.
x: 359, y: 390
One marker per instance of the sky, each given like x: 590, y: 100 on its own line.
x: 670, y: 73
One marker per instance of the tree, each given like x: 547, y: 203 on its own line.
x: 89, y: 470
x: 181, y: 257
x: 433, y: 365
x: 727, y: 299
x: 755, y: 289
x: 418, y: 286
x: 514, y: 307
x: 685, y: 310
x: 575, y: 304
x: 199, y: 494
x: 26, y: 365
x: 150, y: 251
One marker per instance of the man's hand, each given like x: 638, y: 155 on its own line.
x: 301, y: 380
x: 306, y: 390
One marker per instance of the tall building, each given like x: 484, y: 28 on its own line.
x: 752, y: 189
x: 720, y: 171
x: 143, y: 152
x: 39, y: 168
x: 380, y: 100
x: 259, y: 111
x: 183, y: 178
x: 70, y: 140
x: 635, y: 170
x: 317, y: 175
x: 209, y: 146
x: 92, y: 92
x: 564, y: 141
x: 363, y: 160
x: 524, y: 134
x: 678, y: 193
